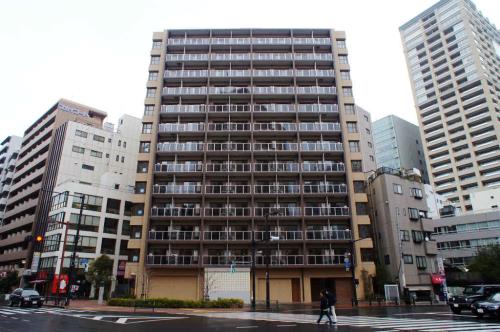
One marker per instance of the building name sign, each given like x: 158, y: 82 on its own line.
x: 72, y: 110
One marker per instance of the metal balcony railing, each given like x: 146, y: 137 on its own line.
x: 326, y: 211
x: 276, y: 167
x: 275, y: 126
x: 321, y: 146
x: 174, y: 235
x: 281, y: 108
x: 227, y: 189
x: 227, y: 235
x: 173, y: 147
x: 178, y: 168
x: 275, y: 146
x: 277, y: 189
x: 229, y: 146
x: 229, y: 126
x: 328, y: 234
x: 227, y: 260
x: 283, y: 211
x: 228, y: 167
x: 325, y: 259
x: 249, y: 40
x: 277, y: 260
x: 180, y: 127
x: 227, y: 212
x: 324, y: 188
x: 282, y: 235
x: 172, y: 260
x: 176, y: 189
x: 323, y: 167
x: 175, y: 212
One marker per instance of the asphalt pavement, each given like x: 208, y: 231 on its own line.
x: 381, y: 319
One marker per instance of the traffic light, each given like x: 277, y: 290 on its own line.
x: 38, y: 239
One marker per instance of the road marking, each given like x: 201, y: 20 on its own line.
x: 98, y: 317
x: 25, y: 320
x: 247, y: 327
x: 14, y: 318
x: 6, y: 313
x: 286, y: 325
x: 122, y: 320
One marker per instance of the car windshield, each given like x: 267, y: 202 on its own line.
x: 30, y: 292
x: 472, y: 290
x: 495, y: 297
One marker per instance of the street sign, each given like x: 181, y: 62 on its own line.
x: 347, y: 264
x: 35, y: 261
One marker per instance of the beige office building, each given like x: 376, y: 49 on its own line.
x: 240, y: 123
x: 452, y: 52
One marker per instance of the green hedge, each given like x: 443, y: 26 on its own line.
x: 172, y: 303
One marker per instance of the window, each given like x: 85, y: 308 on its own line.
x: 354, y: 146
x: 140, y: 187
x: 367, y: 255
x: 92, y: 203
x: 142, y: 166
x: 361, y: 208
x: 123, y: 159
x: 155, y: 60
x: 421, y: 262
x: 352, y: 127
x: 117, y: 186
x: 368, y: 131
x: 370, y: 145
x: 99, y: 138
x: 387, y: 260
x: 407, y: 259
x: 359, y: 186
x: 144, y: 147
x: 96, y: 154
x: 365, y: 231
x: 347, y: 92
x: 81, y: 133
x: 149, y: 109
x: 404, y: 235
x: 85, y: 243
x: 344, y: 74
x: 87, y: 167
x: 113, y: 206
x: 349, y: 109
x: 156, y: 43
x: 150, y: 92
x: 413, y: 214
x: 343, y: 59
x: 147, y: 128
x: 397, y: 189
x: 128, y: 208
x: 88, y: 223
x: 367, y: 119
x: 126, y: 228
x: 78, y: 149
x: 417, y: 193
x: 133, y: 255
x: 117, y: 158
x: 108, y: 246
x: 124, y: 144
x: 153, y: 76
x: 59, y: 201
x: 119, y: 142
x: 341, y: 43
x: 123, y: 251
x: 356, y: 166
x: 418, y: 236
x: 372, y: 158
x: 110, y: 226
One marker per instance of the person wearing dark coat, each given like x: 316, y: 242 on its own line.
x: 324, y: 308
x: 332, y: 300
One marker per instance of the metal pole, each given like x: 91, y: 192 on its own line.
x: 268, y: 257
x: 253, y: 270
x: 73, y: 255
x: 354, y: 292
x: 62, y: 260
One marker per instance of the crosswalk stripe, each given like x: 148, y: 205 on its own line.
x: 476, y: 328
x: 18, y: 311
x: 6, y: 313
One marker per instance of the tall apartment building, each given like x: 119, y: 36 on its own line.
x: 398, y: 145
x: 367, y: 145
x: 33, y: 180
x: 101, y: 164
x: 238, y: 124
x: 9, y: 150
x: 403, y: 230
x: 452, y: 53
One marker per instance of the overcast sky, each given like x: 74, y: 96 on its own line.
x: 96, y: 52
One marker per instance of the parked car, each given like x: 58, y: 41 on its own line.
x: 25, y: 297
x: 471, y: 294
x: 489, y: 307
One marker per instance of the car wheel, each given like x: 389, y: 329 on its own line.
x: 456, y: 310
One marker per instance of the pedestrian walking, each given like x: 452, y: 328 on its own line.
x: 324, y: 309
x: 332, y: 300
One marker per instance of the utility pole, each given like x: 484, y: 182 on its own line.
x: 254, y: 244
x: 73, y: 255
x: 267, y: 257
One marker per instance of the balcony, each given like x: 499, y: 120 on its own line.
x: 322, y: 146
x: 174, y: 235
x: 276, y: 167
x: 280, y: 260
x: 227, y: 212
x: 227, y: 167
x: 227, y: 189
x: 283, y: 211
x: 326, y: 211
x: 175, y: 212
x: 249, y: 41
x: 229, y: 126
x: 230, y: 108
x: 324, y: 188
x: 229, y: 147
x: 277, y: 189
x: 325, y: 259
x: 281, y: 235
x: 180, y: 127
x: 227, y: 260
x: 273, y: 90
x: 227, y: 235
x: 176, y: 189
x: 322, y: 235
x: 182, y: 260
x: 177, y: 168
x: 266, y: 147
x: 179, y: 147
x: 186, y: 57
x: 11, y: 256
x: 323, y: 167
x: 317, y: 90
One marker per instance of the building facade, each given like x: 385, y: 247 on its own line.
x: 367, y: 144
x: 398, y: 145
x: 9, y: 150
x: 452, y: 54
x: 30, y: 195
x: 403, y: 231
x: 101, y: 164
x: 243, y: 126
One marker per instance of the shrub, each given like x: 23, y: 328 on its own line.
x: 173, y: 303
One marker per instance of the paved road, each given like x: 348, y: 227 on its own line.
x: 372, y: 319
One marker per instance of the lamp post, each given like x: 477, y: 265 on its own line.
x: 73, y: 255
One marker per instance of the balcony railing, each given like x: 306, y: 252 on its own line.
x: 279, y: 108
x: 282, y: 235
x: 228, y: 167
x: 227, y: 189
x: 249, y: 40
x: 175, y: 212
x: 227, y: 260
x: 227, y: 212
x: 227, y: 235
x: 229, y: 146
x: 323, y: 167
x: 173, y: 147
x: 250, y: 56
x: 176, y: 189
x: 326, y: 211
x: 321, y: 146
x: 283, y: 211
x: 275, y: 147
x: 180, y: 127
x: 324, y: 188
x: 276, y: 167
x: 325, y: 259
x: 277, y: 189
x: 328, y: 235
x: 229, y: 126
x: 172, y: 260
x: 277, y: 260
x: 174, y: 235
x: 178, y: 168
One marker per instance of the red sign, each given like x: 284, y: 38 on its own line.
x: 61, y: 282
x: 437, y: 279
